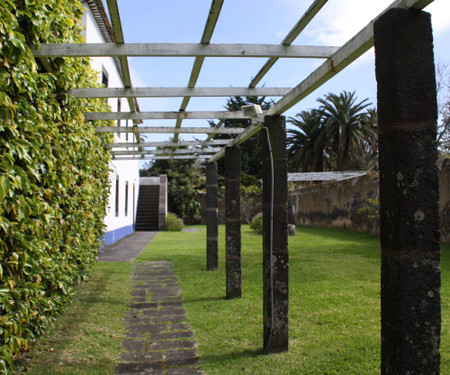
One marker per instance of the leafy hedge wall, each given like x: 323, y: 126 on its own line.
x: 53, y: 171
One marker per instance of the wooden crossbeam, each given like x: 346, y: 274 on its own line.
x: 179, y: 151
x: 324, y: 176
x: 214, y: 142
x: 157, y: 157
x: 167, y: 92
x: 168, y: 129
x: 182, y: 50
x: 205, y: 115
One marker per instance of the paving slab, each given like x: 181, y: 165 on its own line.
x: 127, y: 248
x: 159, y: 340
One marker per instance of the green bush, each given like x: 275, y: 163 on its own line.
x: 173, y: 223
x: 54, y: 171
x: 257, y: 223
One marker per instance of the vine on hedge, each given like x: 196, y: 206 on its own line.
x: 53, y: 171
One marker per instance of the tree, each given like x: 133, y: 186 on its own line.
x: 347, y: 126
x: 183, y: 183
x: 306, y: 143
x: 339, y: 135
x: 251, y: 157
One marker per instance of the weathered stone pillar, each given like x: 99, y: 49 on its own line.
x: 409, y: 194
x: 233, y: 221
x: 212, y: 246
x: 275, y: 311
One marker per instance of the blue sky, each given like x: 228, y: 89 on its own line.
x: 255, y: 21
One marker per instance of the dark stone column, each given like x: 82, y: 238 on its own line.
x: 212, y: 258
x: 278, y: 341
x: 409, y: 194
x: 233, y: 221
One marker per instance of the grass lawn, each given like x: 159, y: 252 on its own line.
x: 87, y: 338
x: 334, y: 309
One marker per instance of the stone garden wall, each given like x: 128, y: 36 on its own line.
x: 353, y: 204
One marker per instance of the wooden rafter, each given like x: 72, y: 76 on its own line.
x: 173, y: 92
x: 182, y: 50
x: 180, y: 151
x: 215, y: 142
x: 167, y: 129
x: 201, y: 115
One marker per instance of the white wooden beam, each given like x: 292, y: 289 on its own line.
x: 167, y: 92
x: 182, y: 50
x: 214, y: 142
x: 179, y: 151
x: 324, y: 176
x: 168, y: 129
x: 205, y: 115
x: 343, y: 57
x: 157, y: 157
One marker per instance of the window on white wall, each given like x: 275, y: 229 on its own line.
x: 105, y: 77
x: 119, y: 108
x: 126, y: 198
x: 117, y: 196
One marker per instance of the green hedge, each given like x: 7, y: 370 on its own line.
x: 53, y: 171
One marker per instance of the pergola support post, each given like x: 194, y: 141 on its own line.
x: 212, y: 232
x: 233, y: 221
x: 275, y: 237
x: 409, y: 194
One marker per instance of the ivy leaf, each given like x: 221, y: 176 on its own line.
x: 4, y: 187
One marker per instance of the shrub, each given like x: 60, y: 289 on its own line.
x: 173, y: 223
x: 257, y: 223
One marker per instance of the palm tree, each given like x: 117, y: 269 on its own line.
x: 347, y: 125
x: 307, y: 143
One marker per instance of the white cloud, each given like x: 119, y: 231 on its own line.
x: 339, y: 20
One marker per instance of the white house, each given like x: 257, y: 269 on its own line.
x: 124, y: 178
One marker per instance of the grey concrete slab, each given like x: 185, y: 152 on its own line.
x: 127, y: 248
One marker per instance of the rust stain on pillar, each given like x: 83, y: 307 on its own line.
x: 233, y: 221
x: 279, y: 340
x: 409, y: 194
x: 212, y: 233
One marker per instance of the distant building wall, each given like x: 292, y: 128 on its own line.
x: 353, y: 204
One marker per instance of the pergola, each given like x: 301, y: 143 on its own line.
x: 408, y: 176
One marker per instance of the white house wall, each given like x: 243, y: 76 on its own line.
x: 119, y: 219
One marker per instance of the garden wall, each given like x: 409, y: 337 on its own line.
x: 353, y: 204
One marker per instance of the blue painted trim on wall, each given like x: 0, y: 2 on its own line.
x: 116, y: 234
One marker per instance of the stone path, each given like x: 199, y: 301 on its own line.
x: 127, y: 248
x: 159, y: 341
